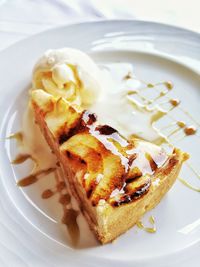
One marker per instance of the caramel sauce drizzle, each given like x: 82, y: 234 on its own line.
x: 188, y: 130
x: 152, y: 229
x: 18, y: 136
x: 32, y: 178
x: 183, y: 181
x: 69, y: 214
x: 21, y: 158
x: 186, y: 183
x: 180, y: 126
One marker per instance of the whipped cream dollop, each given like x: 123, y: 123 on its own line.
x: 68, y: 73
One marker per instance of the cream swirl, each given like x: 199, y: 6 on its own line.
x: 68, y: 73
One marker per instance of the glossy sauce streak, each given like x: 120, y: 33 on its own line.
x: 70, y: 220
x: 65, y: 199
x: 47, y: 193
x: 32, y: 178
x: 21, y: 158
x: 174, y: 102
x: 148, y: 229
x: 131, y: 196
x: 181, y: 124
x: 187, y: 130
x: 69, y: 214
x: 189, y: 185
x: 18, y: 136
x: 119, y: 146
x: 159, y: 114
x: 190, y: 130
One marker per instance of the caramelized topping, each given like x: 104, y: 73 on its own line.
x: 128, y: 197
x: 62, y: 138
x: 105, y: 129
x: 132, y: 158
x: 81, y: 124
x: 93, y: 149
x: 151, y: 161
x: 88, y: 117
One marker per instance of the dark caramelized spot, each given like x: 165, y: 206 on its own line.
x: 105, y: 129
x: 132, y: 174
x: 132, y: 158
x: 72, y: 156
x: 130, y: 179
x: 62, y: 138
x: 151, y: 161
x: 68, y: 154
x: 89, y: 117
x: 129, y: 197
x: 170, y: 165
x: 82, y: 161
x: 89, y: 193
x: 93, y: 184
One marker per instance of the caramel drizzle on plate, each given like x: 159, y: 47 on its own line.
x: 178, y: 126
x: 69, y: 214
x: 152, y: 229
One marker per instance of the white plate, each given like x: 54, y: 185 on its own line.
x: 30, y: 232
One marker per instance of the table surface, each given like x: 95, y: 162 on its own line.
x: 21, y: 18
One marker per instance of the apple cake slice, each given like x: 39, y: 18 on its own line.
x: 114, y: 180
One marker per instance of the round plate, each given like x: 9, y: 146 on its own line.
x: 29, y: 227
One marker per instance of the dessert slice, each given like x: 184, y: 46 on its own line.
x: 114, y: 180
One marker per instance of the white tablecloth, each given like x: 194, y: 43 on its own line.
x: 21, y: 18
